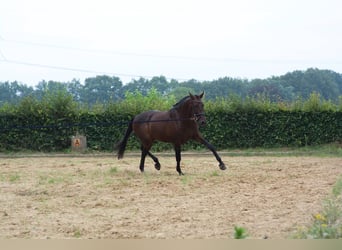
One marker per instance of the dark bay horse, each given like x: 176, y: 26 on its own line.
x: 176, y: 126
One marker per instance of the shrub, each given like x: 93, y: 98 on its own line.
x: 48, y: 124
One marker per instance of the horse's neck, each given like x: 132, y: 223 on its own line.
x: 182, y: 112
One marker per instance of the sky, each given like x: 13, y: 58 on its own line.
x: 179, y: 39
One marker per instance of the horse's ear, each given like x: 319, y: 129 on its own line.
x: 201, y: 95
x: 191, y: 96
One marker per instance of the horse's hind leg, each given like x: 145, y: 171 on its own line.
x: 145, y: 151
x: 178, y: 159
x: 142, y: 159
x: 155, y: 159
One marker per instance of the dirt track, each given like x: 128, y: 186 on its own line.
x: 101, y: 197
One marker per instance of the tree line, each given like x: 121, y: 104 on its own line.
x: 109, y: 89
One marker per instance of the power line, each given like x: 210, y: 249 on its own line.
x: 81, y: 70
x: 68, y: 68
x: 5, y: 59
x: 133, y: 54
x: 3, y: 56
x: 119, y: 53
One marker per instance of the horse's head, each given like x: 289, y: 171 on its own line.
x: 198, y: 108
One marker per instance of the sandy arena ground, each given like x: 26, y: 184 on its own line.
x: 101, y: 197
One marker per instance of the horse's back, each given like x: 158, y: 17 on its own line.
x: 156, y: 125
x: 144, y: 117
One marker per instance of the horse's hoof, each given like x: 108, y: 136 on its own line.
x: 222, y: 166
x: 180, y: 173
x: 157, y: 166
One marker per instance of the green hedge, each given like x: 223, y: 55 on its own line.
x: 48, y: 124
x: 224, y: 130
x: 275, y: 128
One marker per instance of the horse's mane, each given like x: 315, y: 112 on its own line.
x: 181, y: 102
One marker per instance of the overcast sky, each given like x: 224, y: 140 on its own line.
x: 181, y: 39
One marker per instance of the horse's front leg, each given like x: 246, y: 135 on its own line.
x: 212, y: 149
x: 155, y: 159
x: 178, y: 159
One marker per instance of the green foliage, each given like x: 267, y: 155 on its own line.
x: 106, y: 89
x: 240, y: 233
x: 99, y: 88
x: 43, y: 125
x: 13, y: 92
x: 47, y: 124
x: 136, y: 103
x: 274, y: 128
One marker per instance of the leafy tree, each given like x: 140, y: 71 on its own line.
x: 13, y: 92
x: 180, y: 92
x: 75, y: 88
x: 142, y: 85
x: 325, y: 82
x: 45, y: 87
x: 193, y: 84
x: 101, y: 89
x: 223, y: 87
x: 271, y: 90
x: 160, y: 84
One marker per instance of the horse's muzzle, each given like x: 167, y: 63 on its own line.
x: 200, y: 119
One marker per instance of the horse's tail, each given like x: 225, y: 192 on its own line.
x: 121, y: 146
